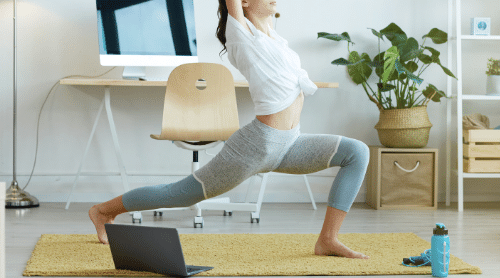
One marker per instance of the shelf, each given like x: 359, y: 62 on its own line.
x: 479, y: 37
x: 479, y: 175
x: 480, y: 97
x: 460, y: 97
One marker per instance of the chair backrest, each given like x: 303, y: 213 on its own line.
x: 191, y: 114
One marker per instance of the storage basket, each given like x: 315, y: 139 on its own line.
x: 407, y: 179
x: 402, y: 178
x: 481, y: 151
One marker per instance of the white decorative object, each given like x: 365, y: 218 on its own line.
x: 493, y: 85
x: 480, y: 26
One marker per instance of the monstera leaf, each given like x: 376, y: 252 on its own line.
x: 390, y: 58
x: 378, y: 64
x: 359, y: 70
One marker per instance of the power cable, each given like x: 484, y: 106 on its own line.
x: 40, y: 113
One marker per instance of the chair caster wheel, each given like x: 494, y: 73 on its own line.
x: 254, y: 216
x: 136, y: 216
x: 226, y: 213
x: 198, y: 220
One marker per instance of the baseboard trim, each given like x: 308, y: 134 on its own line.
x: 281, y: 188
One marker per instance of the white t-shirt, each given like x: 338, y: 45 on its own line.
x: 271, y: 68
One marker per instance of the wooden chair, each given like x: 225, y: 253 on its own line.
x: 200, y: 112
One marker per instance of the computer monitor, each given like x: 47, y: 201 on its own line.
x: 146, y: 33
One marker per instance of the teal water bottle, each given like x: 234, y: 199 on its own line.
x: 440, y: 251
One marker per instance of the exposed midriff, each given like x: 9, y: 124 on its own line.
x: 285, y: 119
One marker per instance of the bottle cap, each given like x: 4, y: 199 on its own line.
x: 440, y: 229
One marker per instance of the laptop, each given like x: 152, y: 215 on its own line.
x: 153, y: 249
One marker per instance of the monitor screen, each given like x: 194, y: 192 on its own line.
x: 146, y: 32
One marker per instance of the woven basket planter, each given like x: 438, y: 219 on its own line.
x: 404, y: 128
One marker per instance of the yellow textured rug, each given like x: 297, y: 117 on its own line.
x: 244, y: 255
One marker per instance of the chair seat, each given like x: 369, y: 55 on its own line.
x: 196, y: 146
x: 197, y: 143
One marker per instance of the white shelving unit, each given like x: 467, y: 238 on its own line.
x: 459, y: 99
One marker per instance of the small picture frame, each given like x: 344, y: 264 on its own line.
x: 480, y: 26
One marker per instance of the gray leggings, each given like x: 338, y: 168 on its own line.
x: 259, y: 148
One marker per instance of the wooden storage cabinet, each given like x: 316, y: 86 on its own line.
x: 402, y: 178
x: 481, y: 151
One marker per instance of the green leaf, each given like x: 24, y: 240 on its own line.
x: 359, y: 71
x: 344, y: 62
x: 430, y: 90
x: 447, y: 71
x: 435, y: 54
x: 377, y: 34
x: 413, y: 88
x: 426, y: 59
x: 399, y: 40
x: 385, y: 87
x: 336, y: 37
x: 402, y: 77
x: 409, y: 50
x: 435, y: 59
x: 378, y: 62
x: 401, y: 69
x: 437, y: 36
x: 341, y: 62
x: 394, y: 34
x: 411, y: 66
x: 390, y: 58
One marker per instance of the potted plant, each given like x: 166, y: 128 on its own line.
x: 493, y: 77
x: 403, y: 122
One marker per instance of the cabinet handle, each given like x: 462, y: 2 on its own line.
x: 408, y: 171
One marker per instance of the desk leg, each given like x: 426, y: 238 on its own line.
x: 106, y: 101
x: 86, y: 151
x: 115, y: 139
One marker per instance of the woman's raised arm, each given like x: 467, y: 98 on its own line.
x: 235, y: 9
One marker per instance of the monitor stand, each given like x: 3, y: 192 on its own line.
x: 147, y: 73
x: 134, y: 73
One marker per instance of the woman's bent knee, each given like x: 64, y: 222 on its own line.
x: 362, y: 152
x: 351, y: 151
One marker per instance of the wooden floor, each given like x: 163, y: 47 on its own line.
x: 474, y: 234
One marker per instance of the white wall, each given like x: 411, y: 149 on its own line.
x: 59, y: 38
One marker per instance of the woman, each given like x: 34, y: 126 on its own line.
x: 271, y: 142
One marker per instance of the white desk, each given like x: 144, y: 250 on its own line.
x: 107, y: 84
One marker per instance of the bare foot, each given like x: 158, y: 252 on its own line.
x: 336, y: 248
x: 99, y: 220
